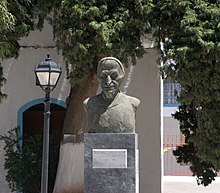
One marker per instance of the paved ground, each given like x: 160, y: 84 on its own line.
x: 179, y: 184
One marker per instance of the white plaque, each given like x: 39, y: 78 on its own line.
x: 109, y: 158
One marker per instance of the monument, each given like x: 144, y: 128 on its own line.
x: 111, y: 146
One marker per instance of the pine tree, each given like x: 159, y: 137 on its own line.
x: 190, y: 31
x: 17, y: 19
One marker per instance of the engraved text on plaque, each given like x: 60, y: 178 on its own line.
x: 109, y: 158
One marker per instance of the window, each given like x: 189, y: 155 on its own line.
x: 171, y: 91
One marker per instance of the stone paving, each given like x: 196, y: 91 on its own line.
x: 180, y: 184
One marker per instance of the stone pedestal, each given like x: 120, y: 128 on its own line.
x: 111, y: 163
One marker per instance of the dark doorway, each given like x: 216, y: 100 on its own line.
x: 33, y: 120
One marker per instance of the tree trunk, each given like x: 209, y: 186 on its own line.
x: 70, y: 176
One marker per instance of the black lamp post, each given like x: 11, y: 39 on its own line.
x: 47, y: 76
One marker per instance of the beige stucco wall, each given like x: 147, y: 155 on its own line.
x: 145, y: 84
x: 20, y: 86
x: 143, y: 81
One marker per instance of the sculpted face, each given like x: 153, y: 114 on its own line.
x: 110, y: 75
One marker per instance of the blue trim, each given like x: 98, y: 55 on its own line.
x: 171, y: 104
x: 27, y: 106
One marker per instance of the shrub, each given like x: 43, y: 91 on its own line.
x: 23, y: 161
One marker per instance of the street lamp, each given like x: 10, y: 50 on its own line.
x: 47, y: 75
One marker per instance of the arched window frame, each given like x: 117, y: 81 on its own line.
x: 29, y: 105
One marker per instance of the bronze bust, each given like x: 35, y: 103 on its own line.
x: 111, y: 111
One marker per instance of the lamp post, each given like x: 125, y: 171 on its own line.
x: 47, y: 75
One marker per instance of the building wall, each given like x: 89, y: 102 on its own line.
x: 145, y: 85
x: 20, y: 86
x: 171, y: 126
x: 142, y: 81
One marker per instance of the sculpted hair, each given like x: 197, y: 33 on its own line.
x: 104, y: 60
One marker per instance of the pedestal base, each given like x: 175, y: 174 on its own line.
x: 111, y: 163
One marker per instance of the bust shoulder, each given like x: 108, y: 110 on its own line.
x: 133, y: 100
x: 91, y: 101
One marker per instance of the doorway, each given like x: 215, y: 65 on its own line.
x: 30, y: 125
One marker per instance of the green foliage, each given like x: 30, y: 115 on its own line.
x: 197, y: 152
x: 7, y: 20
x: 2, y: 81
x: 86, y: 31
x: 190, y: 32
x: 204, y: 171
x: 15, y: 22
x: 23, y: 165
